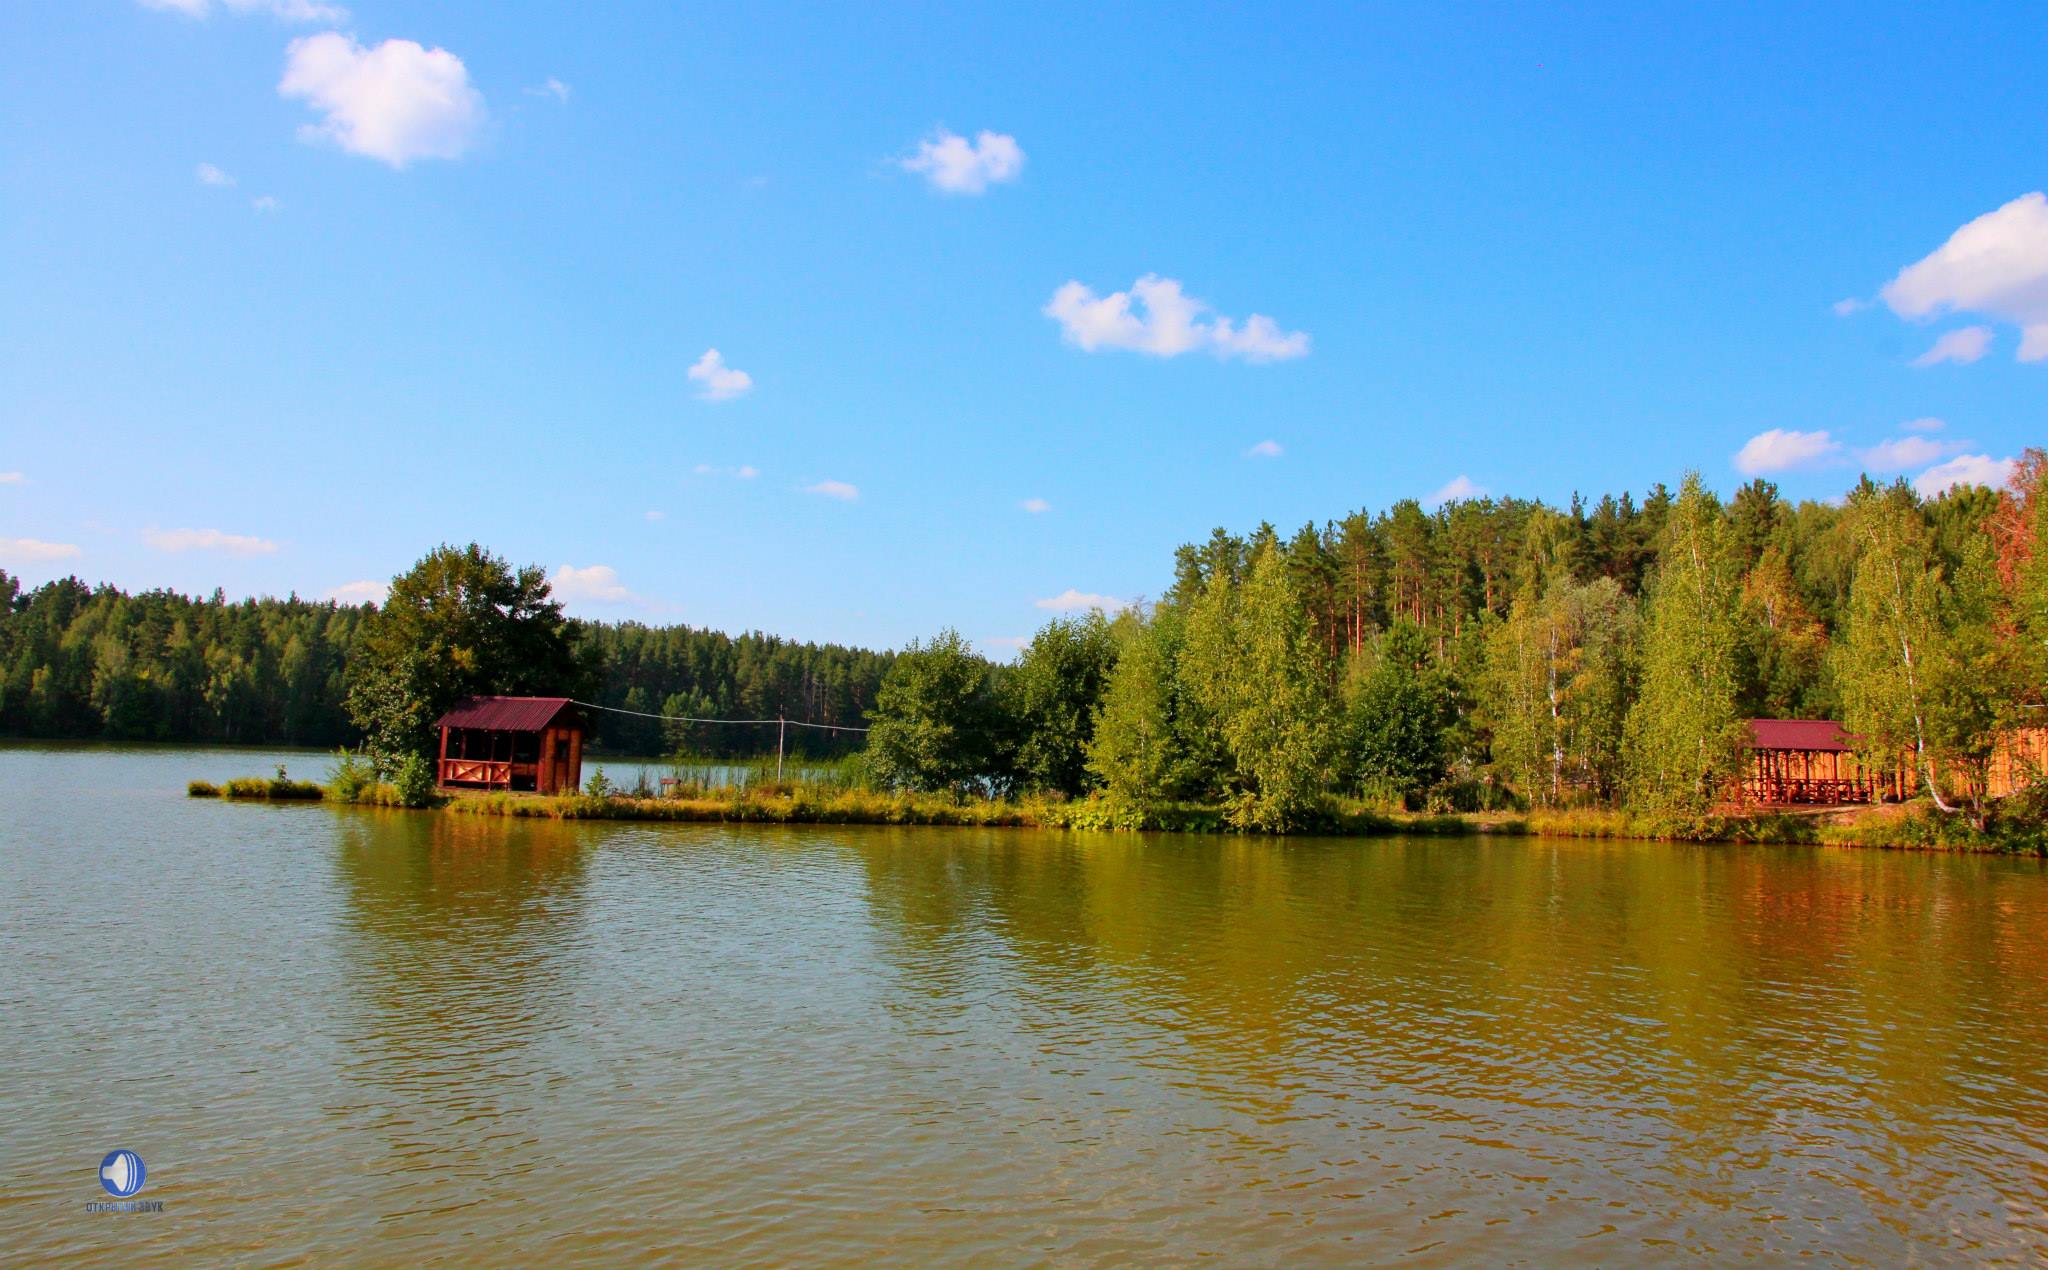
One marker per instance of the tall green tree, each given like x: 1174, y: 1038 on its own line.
x: 461, y: 622
x: 1053, y: 695
x: 1397, y: 718
x: 1559, y: 677
x: 1683, y: 735
x: 938, y: 723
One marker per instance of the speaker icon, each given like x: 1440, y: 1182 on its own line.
x: 121, y: 1173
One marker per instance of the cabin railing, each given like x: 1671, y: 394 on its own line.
x: 475, y: 771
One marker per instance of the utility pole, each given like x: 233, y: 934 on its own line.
x: 781, y: 730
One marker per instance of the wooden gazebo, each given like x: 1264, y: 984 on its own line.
x: 514, y: 743
x: 1810, y: 762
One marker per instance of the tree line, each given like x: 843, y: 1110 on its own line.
x: 1500, y: 651
x: 98, y: 663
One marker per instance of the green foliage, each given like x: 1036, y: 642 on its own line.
x: 599, y: 785
x: 1397, y: 719
x: 278, y: 788
x: 1051, y: 697
x: 938, y: 724
x: 202, y: 789
x: 352, y: 777
x: 413, y: 783
x: 1683, y: 735
x: 1558, y: 677
x: 1256, y: 667
x: 460, y: 622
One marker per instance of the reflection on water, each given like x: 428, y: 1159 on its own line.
x: 384, y: 1037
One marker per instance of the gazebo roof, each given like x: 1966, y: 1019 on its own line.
x: 1824, y: 735
x: 508, y: 714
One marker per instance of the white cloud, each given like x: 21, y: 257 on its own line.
x: 1899, y: 453
x: 266, y: 204
x: 834, y: 489
x: 1072, y: 601
x: 1961, y: 346
x: 1965, y: 469
x: 1927, y: 423
x: 284, y: 10
x: 1843, y: 308
x: 596, y: 584
x: 1036, y: 506
x: 211, y: 175
x: 1457, y: 489
x: 362, y: 592
x: 1012, y: 642
x: 958, y: 166
x: 396, y: 102
x: 208, y: 540
x: 1782, y: 450
x: 744, y: 472
x: 1267, y: 449
x: 721, y: 382
x: 12, y: 478
x: 553, y: 87
x: 657, y: 515
x: 1155, y: 316
x: 1996, y: 265
x: 17, y: 549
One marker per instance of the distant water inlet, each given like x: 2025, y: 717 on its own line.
x: 353, y: 1036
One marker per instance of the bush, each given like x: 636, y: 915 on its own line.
x: 353, y: 777
x: 279, y: 788
x: 202, y: 789
x: 414, y: 783
x: 599, y: 785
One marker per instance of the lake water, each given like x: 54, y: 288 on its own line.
x: 379, y: 1037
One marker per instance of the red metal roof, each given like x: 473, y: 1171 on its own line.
x: 1798, y: 734
x: 506, y: 714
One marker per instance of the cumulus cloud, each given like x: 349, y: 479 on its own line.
x: 721, y: 382
x: 1266, y: 449
x: 1012, y: 642
x: 744, y: 472
x: 553, y: 87
x: 1072, y: 601
x: 1900, y: 453
x: 1155, y: 316
x: 12, y: 478
x: 594, y: 584
x: 1996, y: 265
x: 1843, y: 308
x: 657, y: 515
x: 266, y: 205
x: 35, y: 549
x: 397, y: 102
x: 952, y: 163
x: 284, y: 10
x: 365, y: 591
x: 834, y: 489
x: 1457, y: 489
x: 1926, y: 423
x: 211, y: 175
x: 1783, y: 450
x: 208, y: 540
x: 1965, y: 469
x: 1961, y: 346
x: 1036, y: 506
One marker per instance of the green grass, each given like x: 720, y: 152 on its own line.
x: 276, y: 789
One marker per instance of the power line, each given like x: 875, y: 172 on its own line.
x: 678, y: 718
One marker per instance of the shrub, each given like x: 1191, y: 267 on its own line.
x: 202, y: 789
x: 353, y: 777
x: 599, y: 785
x: 414, y: 782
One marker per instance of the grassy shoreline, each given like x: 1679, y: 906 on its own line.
x: 1902, y: 828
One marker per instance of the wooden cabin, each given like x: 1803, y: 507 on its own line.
x: 1811, y: 762
x: 516, y: 743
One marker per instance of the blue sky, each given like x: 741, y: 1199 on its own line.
x: 293, y: 294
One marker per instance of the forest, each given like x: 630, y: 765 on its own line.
x: 1499, y: 653
x: 1486, y: 654
x: 97, y: 663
